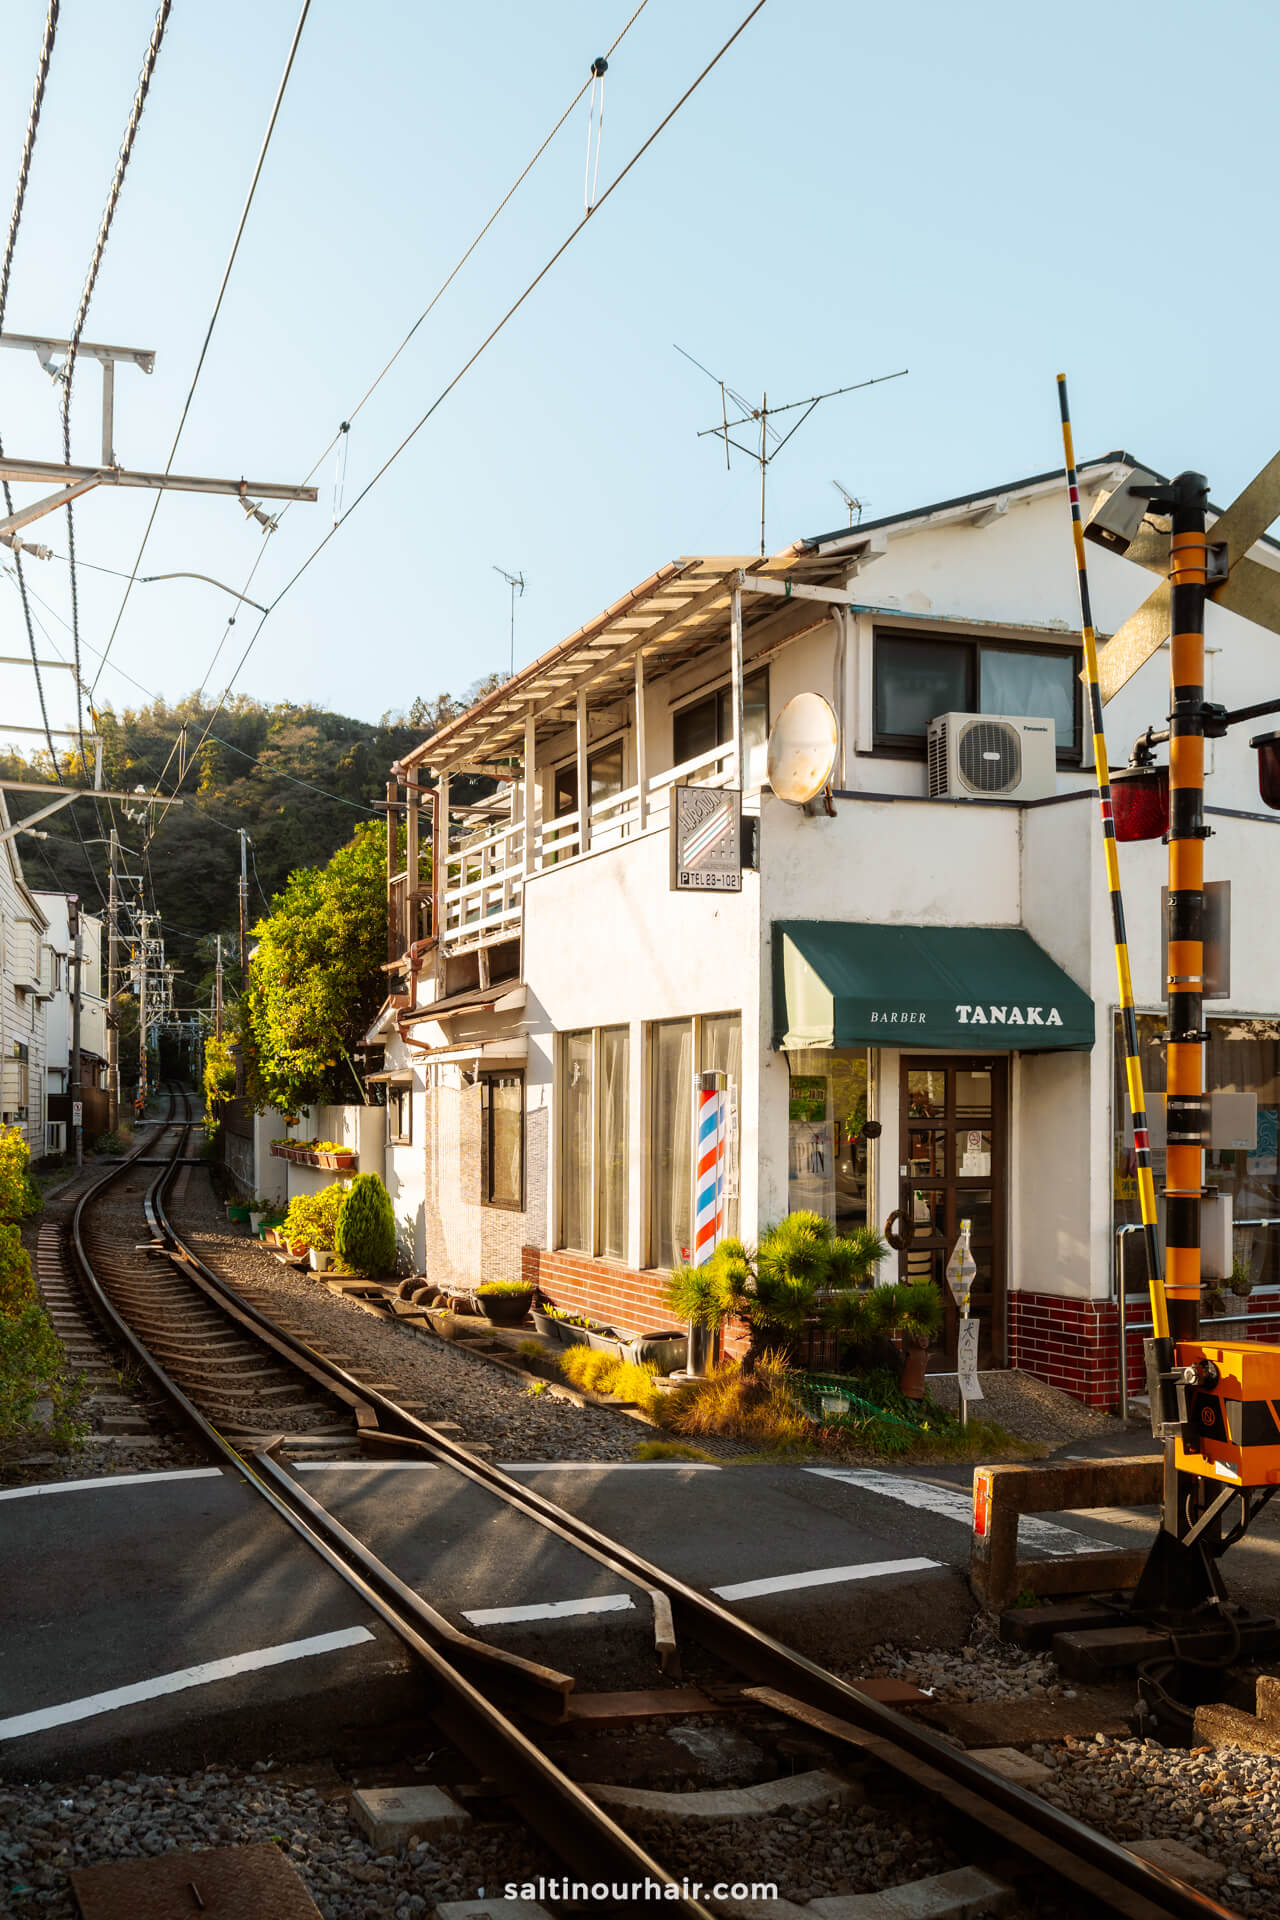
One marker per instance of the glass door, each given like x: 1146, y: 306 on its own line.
x: 952, y: 1148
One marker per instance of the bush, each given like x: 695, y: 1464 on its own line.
x: 594, y: 1372
x: 365, y: 1240
x: 313, y: 1217
x: 31, y: 1360
x: 17, y: 1283
x: 760, y: 1407
x: 14, y: 1156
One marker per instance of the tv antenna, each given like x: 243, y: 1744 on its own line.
x: 852, y: 502
x: 516, y: 582
x: 771, y: 441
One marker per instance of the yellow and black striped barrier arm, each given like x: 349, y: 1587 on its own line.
x: 1128, y: 1018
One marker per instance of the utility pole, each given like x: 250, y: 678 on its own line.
x: 142, y: 1023
x: 113, y: 987
x: 244, y: 909
x: 77, y: 1096
x: 217, y: 995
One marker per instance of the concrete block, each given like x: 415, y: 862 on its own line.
x: 1267, y: 1699
x: 1020, y: 1768
x: 392, y: 1815
x: 1229, y: 1727
x: 723, y: 1803
x: 1184, y: 1863
x: 491, y: 1910
x: 944, y: 1896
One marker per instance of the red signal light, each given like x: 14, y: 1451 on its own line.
x: 1140, y: 803
x: 1268, y: 746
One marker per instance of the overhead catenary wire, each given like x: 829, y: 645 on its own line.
x: 6, y: 269
x: 465, y: 368
x: 213, y: 321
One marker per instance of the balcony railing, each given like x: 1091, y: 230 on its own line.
x: 484, y: 876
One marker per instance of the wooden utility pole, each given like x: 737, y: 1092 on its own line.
x: 113, y: 986
x: 217, y: 995
x: 77, y: 1095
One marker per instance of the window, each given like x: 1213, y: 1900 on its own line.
x: 400, y: 1114
x: 708, y: 722
x: 604, y: 779
x: 918, y: 677
x: 575, y: 1142
x: 671, y: 1120
x: 595, y: 1141
x: 502, y: 1140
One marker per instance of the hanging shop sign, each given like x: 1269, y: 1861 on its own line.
x: 706, y: 840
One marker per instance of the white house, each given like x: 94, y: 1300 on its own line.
x: 59, y: 944
x: 940, y: 967
x: 24, y: 990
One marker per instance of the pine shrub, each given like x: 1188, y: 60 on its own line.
x: 365, y: 1240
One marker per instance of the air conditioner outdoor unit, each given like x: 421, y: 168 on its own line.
x: 988, y: 756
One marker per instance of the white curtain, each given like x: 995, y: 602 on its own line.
x: 671, y: 1144
x: 575, y: 1143
x: 614, y: 1139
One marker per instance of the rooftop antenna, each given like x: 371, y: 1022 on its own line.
x: 516, y: 582
x: 771, y: 441
x: 852, y: 502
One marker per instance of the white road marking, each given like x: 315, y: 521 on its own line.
x: 608, y: 1466
x: 822, y: 1577
x: 953, y: 1503
x: 185, y: 1677
x: 366, y: 1466
x: 549, y: 1610
x: 113, y: 1480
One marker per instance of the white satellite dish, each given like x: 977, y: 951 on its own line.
x: 803, y: 743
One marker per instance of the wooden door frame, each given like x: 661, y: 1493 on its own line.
x: 999, y: 1067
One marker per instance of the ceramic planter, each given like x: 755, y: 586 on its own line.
x: 571, y: 1336
x: 666, y: 1351
x: 299, y: 1249
x: 321, y: 1259
x: 505, y: 1309
x: 255, y: 1219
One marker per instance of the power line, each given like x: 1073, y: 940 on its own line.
x: 492, y: 335
x: 6, y: 268
x: 213, y: 321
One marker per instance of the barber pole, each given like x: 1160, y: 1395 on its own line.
x: 711, y: 1128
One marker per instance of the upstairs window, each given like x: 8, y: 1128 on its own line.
x: 918, y: 677
x: 604, y: 779
x: 707, y: 723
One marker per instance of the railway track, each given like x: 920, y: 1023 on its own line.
x: 257, y: 1395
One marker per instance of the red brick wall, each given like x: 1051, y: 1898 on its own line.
x: 623, y: 1297
x: 1073, y: 1344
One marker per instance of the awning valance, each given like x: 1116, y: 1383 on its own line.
x: 961, y: 989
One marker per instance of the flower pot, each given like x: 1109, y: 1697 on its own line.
x: 344, y: 1162
x: 548, y: 1327
x: 321, y: 1259
x: 913, y: 1372
x: 700, y: 1342
x: 571, y: 1336
x: 255, y: 1219
x: 299, y: 1249
x: 666, y: 1351
x: 271, y: 1237
x: 505, y: 1309
x: 238, y: 1216
x: 445, y: 1324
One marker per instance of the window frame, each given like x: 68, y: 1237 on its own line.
x: 717, y: 693
x: 910, y: 746
x: 614, y: 741
x: 397, y: 1091
x: 486, y: 1082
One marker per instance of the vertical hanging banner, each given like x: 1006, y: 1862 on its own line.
x: 710, y: 1138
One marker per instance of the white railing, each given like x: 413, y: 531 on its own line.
x: 484, y: 876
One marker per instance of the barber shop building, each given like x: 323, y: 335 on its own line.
x: 907, y: 980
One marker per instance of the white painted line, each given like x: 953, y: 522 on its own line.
x: 113, y: 1480
x: 608, y: 1466
x: 365, y: 1466
x: 953, y: 1503
x: 823, y: 1577
x: 201, y: 1676
x: 549, y: 1610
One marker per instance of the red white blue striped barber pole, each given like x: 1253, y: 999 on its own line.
x: 709, y: 1162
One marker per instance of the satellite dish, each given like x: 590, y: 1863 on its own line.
x: 802, y: 748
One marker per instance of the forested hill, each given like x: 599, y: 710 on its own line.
x: 297, y: 778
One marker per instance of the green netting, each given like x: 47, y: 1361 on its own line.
x: 820, y: 1392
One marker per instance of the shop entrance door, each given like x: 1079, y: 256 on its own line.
x: 952, y: 1151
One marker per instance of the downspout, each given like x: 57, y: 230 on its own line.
x: 839, y: 690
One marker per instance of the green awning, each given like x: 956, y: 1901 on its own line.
x: 970, y: 989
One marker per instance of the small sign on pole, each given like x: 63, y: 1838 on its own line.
x: 967, y: 1359
x: 706, y: 840
x: 77, y: 1113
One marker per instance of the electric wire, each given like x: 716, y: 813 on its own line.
x: 213, y: 321
x: 489, y: 338
x: 6, y: 268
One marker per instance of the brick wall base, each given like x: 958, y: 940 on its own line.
x: 1073, y: 1344
x: 625, y: 1297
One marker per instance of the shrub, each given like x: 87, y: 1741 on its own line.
x: 365, y: 1239
x: 760, y: 1407
x: 313, y: 1217
x: 31, y: 1360
x: 697, y: 1295
x: 594, y: 1372
x: 17, y: 1284
x: 668, y: 1450
x: 14, y: 1155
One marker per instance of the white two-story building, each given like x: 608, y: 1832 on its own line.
x: 913, y: 997
x: 24, y: 992
x: 59, y: 970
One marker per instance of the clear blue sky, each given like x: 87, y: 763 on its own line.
x: 983, y: 195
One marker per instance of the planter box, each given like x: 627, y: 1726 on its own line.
x: 604, y: 1340
x: 549, y: 1328
x: 505, y: 1309
x: 238, y: 1216
x: 665, y: 1350
x: 572, y: 1336
x: 321, y: 1260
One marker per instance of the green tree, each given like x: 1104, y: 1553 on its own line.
x: 315, y: 980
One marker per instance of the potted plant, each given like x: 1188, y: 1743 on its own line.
x: 238, y: 1213
x: 697, y: 1295
x: 547, y: 1320
x: 313, y: 1219
x: 505, y: 1302
x: 257, y: 1212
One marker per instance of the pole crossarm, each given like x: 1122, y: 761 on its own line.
x: 45, y: 345
x: 91, y: 793
x: 75, y: 480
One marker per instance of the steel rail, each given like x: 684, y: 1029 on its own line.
x: 771, y: 1663
x: 579, y: 1831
